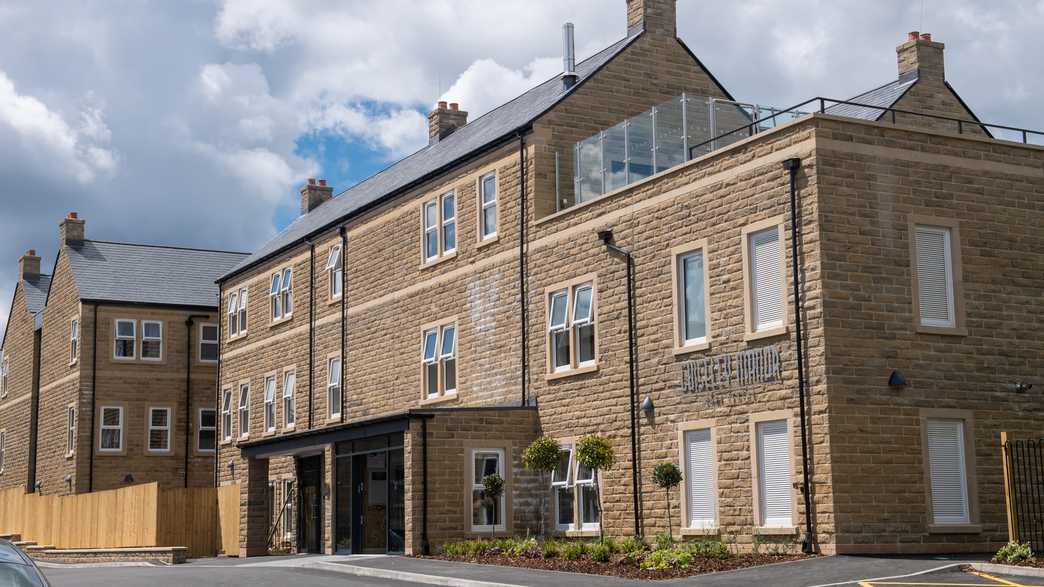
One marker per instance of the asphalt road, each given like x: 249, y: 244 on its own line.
x: 215, y: 576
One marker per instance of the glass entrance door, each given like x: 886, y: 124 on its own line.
x: 370, y: 496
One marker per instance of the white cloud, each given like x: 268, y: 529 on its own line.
x: 397, y: 132
x: 486, y: 84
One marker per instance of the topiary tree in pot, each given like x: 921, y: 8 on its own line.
x: 596, y: 453
x: 667, y: 476
x: 492, y: 489
x: 542, y: 456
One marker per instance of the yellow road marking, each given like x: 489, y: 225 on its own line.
x: 998, y: 582
x: 998, y: 579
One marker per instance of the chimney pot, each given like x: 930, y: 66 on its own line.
x: 921, y: 55
x: 444, y: 120
x: 31, y: 253
x: 71, y: 230
x: 442, y: 105
x: 311, y: 181
x: 313, y: 194
x: 926, y: 37
x: 73, y: 215
x: 29, y: 265
x: 322, y: 182
x: 912, y: 35
x: 454, y: 107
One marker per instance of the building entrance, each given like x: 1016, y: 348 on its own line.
x: 310, y: 505
x: 370, y: 508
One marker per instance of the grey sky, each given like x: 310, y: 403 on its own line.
x: 177, y: 122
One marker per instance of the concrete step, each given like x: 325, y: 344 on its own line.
x: 38, y: 548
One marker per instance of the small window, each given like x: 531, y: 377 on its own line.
x: 439, y: 361
x: 273, y: 296
x: 486, y: 515
x: 111, y: 437
x: 700, y: 493
x: 208, y: 343
x: 289, y: 385
x: 488, y: 205
x: 74, y: 340
x: 587, y: 498
x: 287, y: 292
x: 159, y: 429
x: 233, y: 320
x: 70, y: 430
x: 125, y: 339
x: 242, y: 311
x: 431, y: 230
x: 935, y: 277
x: 270, y: 409
x: 775, y: 489
x: 226, y: 414
x: 335, y: 271
x: 691, y: 296
x: 449, y: 223
x: 767, y: 301
x: 439, y: 226
x: 288, y: 514
x: 3, y: 450
x: 207, y: 431
x: 151, y: 340
x: 947, y: 469
x: 333, y: 388
x: 5, y: 363
x: 571, y: 328
x: 564, y: 490
x: 244, y: 410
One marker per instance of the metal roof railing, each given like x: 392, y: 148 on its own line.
x: 762, y: 123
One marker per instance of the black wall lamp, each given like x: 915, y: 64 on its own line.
x: 896, y: 379
x: 1020, y: 387
x: 128, y: 478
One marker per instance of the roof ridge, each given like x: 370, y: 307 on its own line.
x: 172, y: 247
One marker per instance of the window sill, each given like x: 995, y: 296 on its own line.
x: 691, y: 348
x: 237, y: 337
x: 955, y: 528
x: 277, y: 323
x: 243, y: 437
x: 109, y: 453
x: 438, y: 260
x: 289, y: 428
x: 207, y: 453
x: 959, y: 331
x: 487, y: 241
x: 69, y: 455
x: 439, y: 400
x: 700, y: 531
x: 581, y: 533
x: 268, y: 433
x: 334, y: 301
x: 124, y: 359
x: 335, y: 419
x: 159, y: 453
x: 571, y: 372
x: 73, y: 363
x: 775, y: 531
x: 749, y: 336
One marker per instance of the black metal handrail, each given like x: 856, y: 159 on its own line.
x: 798, y: 109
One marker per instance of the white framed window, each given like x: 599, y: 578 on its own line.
x: 287, y: 292
x: 206, y: 432
x: 690, y: 296
x: 700, y: 481
x: 947, y: 471
x: 126, y: 339
x: 5, y: 366
x: 487, y: 515
x: 242, y: 311
x: 159, y: 430
x: 587, y: 498
x: 335, y: 271
x: 765, y: 279
x: 431, y: 230
x: 288, y: 514
x: 3, y: 450
x: 775, y: 474
x: 564, y: 491
x: 439, y: 360
x: 439, y: 226
x: 488, y: 206
x: 270, y: 407
x: 233, y: 319
x: 333, y: 387
x: 934, y: 270
x: 226, y: 414
x: 289, y: 388
x: 244, y: 410
x: 449, y: 223
x: 208, y: 343
x: 111, y: 437
x: 70, y: 430
x: 74, y: 340
x: 571, y: 327
x: 274, y: 302
x: 151, y: 340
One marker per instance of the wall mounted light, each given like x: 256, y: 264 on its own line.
x: 1020, y: 387
x: 128, y: 478
x: 896, y: 379
x: 647, y: 406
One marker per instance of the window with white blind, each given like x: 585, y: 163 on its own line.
x: 159, y: 430
x: 947, y: 471
x: 765, y: 283
x: 775, y: 483
x: 933, y: 251
x: 700, y: 495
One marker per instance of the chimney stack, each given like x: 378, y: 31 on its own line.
x: 313, y: 194
x: 922, y: 55
x: 443, y: 120
x: 29, y: 266
x: 568, y: 56
x: 71, y: 231
x: 653, y: 16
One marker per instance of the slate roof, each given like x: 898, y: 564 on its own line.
x: 883, y: 97
x: 35, y: 291
x: 148, y: 274
x: 478, y: 134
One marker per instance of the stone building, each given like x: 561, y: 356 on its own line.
x: 821, y: 317
x: 111, y: 366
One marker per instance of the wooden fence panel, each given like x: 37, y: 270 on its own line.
x: 189, y: 520
x: 228, y: 519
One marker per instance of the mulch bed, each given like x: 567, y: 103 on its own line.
x: 619, y: 566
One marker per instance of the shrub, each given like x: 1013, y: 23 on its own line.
x: 713, y: 549
x: 664, y: 541
x: 660, y: 560
x: 467, y: 548
x: 1014, y: 552
x: 572, y: 551
x: 614, y: 546
x: 633, y: 545
x: 550, y: 549
x: 517, y: 547
x: 601, y: 552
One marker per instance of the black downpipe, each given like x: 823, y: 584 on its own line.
x: 344, y: 318
x: 311, y: 332
x: 188, y: 390
x: 792, y: 166
x: 632, y: 368
x: 94, y: 396
x: 425, y: 545
x: 522, y: 221
x: 217, y: 388
x: 34, y: 413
